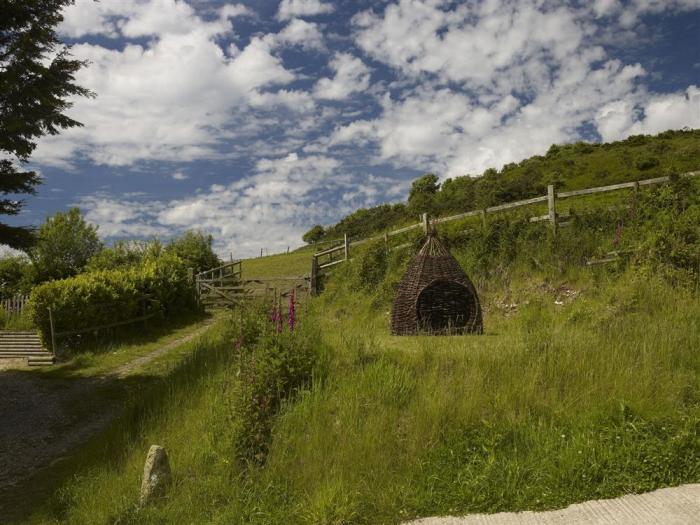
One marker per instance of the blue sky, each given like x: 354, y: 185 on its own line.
x: 254, y: 120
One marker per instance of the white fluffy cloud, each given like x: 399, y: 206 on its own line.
x: 351, y: 75
x: 628, y: 12
x: 268, y: 209
x: 174, y: 98
x: 134, y: 18
x: 301, y: 33
x: 122, y: 218
x: 301, y: 8
x: 520, y: 78
x: 620, y: 118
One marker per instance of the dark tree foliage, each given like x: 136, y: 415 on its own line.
x: 314, y: 234
x: 195, y: 249
x: 421, y: 198
x: 36, y: 84
x: 15, y: 276
x: 64, y: 245
x: 366, y: 221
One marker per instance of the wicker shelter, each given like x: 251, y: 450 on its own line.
x: 435, y: 295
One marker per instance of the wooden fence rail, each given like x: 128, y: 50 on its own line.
x: 551, y: 216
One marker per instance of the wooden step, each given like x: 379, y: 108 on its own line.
x: 15, y: 355
x: 40, y: 362
x: 15, y: 349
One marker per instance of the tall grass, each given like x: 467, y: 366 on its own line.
x: 562, y: 404
x: 554, y: 404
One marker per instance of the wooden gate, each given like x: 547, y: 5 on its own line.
x: 217, y: 287
x: 225, y: 287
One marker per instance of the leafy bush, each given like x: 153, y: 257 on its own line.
x: 371, y: 265
x: 314, y: 235
x: 121, y: 255
x: 273, y: 367
x: 195, y: 250
x: 65, y: 244
x: 111, y: 296
x: 15, y: 276
x: 646, y: 163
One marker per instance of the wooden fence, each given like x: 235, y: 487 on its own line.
x: 319, y: 262
x: 15, y: 305
x: 225, y: 286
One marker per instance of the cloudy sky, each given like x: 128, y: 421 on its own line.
x: 254, y: 120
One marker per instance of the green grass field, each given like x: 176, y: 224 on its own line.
x: 293, y: 264
x: 554, y: 404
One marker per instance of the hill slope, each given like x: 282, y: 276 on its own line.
x: 569, y: 167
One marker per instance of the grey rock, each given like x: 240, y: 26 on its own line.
x: 156, y: 475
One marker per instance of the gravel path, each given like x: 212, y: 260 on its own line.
x: 670, y: 506
x: 44, y: 419
x: 129, y: 367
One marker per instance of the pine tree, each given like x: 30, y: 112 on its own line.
x: 36, y: 83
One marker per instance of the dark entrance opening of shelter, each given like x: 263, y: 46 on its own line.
x: 444, y: 306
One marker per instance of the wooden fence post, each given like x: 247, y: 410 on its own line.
x: 197, y: 291
x: 53, y: 338
x: 424, y: 220
x: 346, y: 246
x: 483, y: 218
x: 551, y: 203
x: 313, y: 281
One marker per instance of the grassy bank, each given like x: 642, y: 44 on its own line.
x: 556, y: 403
x: 291, y: 264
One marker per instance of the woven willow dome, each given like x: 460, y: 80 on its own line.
x: 435, y: 295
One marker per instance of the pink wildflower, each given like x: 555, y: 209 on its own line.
x: 292, y: 312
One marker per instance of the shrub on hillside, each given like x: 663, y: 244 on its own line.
x: 195, y: 250
x: 122, y: 254
x: 314, y: 235
x: 371, y: 265
x: 646, y: 163
x: 111, y: 296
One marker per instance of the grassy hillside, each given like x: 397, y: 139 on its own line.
x: 568, y: 166
x: 291, y: 264
x: 585, y: 384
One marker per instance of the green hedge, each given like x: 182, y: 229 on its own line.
x: 110, y: 296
